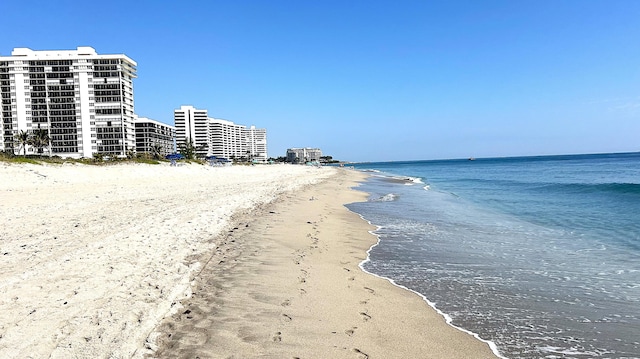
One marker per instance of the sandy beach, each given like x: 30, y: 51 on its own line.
x: 134, y: 261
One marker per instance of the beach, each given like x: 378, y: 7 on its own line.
x: 195, y: 261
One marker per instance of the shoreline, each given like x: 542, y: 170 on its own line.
x: 447, y: 318
x: 288, y: 283
x: 134, y: 261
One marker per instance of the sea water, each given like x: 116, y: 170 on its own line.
x: 538, y: 255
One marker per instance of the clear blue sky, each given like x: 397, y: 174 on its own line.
x: 373, y: 80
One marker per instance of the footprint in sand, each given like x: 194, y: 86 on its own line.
x: 365, y: 316
x: 361, y: 354
x: 277, y: 337
x: 351, y: 331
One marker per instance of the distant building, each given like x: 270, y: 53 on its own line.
x: 220, y: 138
x: 151, y: 133
x: 84, y: 100
x: 303, y: 155
x: 192, y: 125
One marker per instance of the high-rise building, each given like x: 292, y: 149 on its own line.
x: 256, y: 143
x: 226, y: 139
x: 84, y: 100
x: 192, y: 125
x: 217, y: 137
x: 153, y: 136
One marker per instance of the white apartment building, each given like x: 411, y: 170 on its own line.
x: 220, y: 138
x: 226, y: 139
x: 256, y: 143
x: 302, y: 155
x: 192, y: 125
x: 151, y: 133
x: 83, y: 99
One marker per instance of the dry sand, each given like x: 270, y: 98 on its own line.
x: 92, y: 258
x: 193, y: 261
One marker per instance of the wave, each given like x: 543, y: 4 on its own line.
x: 568, y: 187
x: 448, y: 319
x: 386, y: 198
x: 594, y: 188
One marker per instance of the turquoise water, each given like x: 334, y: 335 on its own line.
x: 540, y: 255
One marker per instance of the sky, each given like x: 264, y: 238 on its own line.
x: 372, y: 80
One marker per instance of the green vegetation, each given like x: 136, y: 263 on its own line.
x: 98, y: 159
x: 19, y: 160
x: 156, y: 150
x: 22, y: 138
x: 38, y: 139
x: 147, y: 161
x: 187, y: 149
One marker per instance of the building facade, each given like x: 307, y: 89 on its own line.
x: 303, y: 155
x: 226, y: 139
x: 192, y: 125
x: 84, y: 100
x: 153, y: 136
x: 256, y: 143
x: 217, y: 137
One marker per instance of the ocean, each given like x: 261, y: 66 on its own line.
x: 537, y: 255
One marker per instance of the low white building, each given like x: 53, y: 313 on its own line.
x: 303, y: 155
x: 151, y: 133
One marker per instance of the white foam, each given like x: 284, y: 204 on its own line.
x: 447, y: 317
x: 386, y: 198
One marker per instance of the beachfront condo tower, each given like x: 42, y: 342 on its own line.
x: 217, y: 137
x: 192, y: 127
x: 82, y: 99
x: 226, y: 139
x: 256, y: 143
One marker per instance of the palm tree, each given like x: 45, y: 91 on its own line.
x: 23, y: 138
x: 40, y: 140
x: 187, y: 149
x: 156, y: 150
